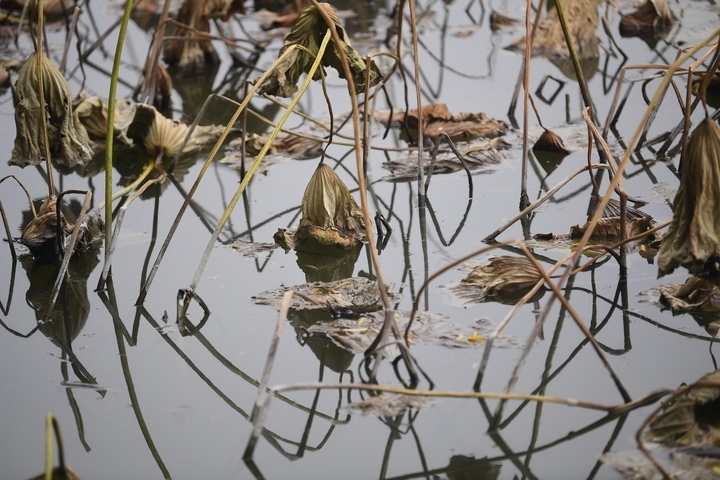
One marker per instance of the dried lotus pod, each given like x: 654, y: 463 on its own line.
x: 40, y: 234
x: 693, y: 239
x: 68, y: 147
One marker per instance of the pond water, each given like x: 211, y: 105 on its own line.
x: 136, y: 397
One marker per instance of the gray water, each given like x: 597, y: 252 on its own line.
x: 164, y: 404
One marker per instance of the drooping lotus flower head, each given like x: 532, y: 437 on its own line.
x: 68, y: 147
x: 693, y: 239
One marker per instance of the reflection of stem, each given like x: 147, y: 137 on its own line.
x: 74, y: 407
x: 135, y: 404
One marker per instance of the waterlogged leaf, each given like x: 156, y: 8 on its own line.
x: 437, y: 120
x: 692, y: 419
x: 503, y: 278
x: 479, y: 155
x: 693, y: 239
x: 652, y: 17
x: 68, y: 146
x: 388, y: 404
x: 609, y: 229
x: 695, y: 295
x: 351, y: 295
x: 308, y: 32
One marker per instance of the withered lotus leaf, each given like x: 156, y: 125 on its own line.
x: 691, y: 420
x: 504, y: 275
x: 549, y: 141
x: 308, y: 32
x: 653, y: 16
x: 190, y: 51
x: 693, y: 239
x: 39, y: 235
x: 330, y: 215
x: 695, y: 295
x: 609, y: 229
x: 68, y: 147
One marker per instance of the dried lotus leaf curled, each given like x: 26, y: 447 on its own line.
x: 68, y: 146
x: 504, y: 275
x: 693, y: 239
x: 39, y: 235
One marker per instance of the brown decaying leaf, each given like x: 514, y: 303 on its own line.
x: 59, y: 473
x: 4, y: 76
x: 503, y: 276
x: 39, y: 235
x: 549, y: 141
x: 695, y: 295
x: 437, y: 120
x: 68, y: 147
x: 194, y: 52
x: 691, y: 420
x: 582, y: 19
x: 143, y: 124
x: 693, y: 239
x: 308, y: 32
x: 498, y: 21
x: 653, y: 16
x: 609, y: 229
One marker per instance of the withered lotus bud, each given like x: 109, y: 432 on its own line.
x: 67, y: 146
x: 693, y: 239
x: 330, y: 214
x: 550, y: 141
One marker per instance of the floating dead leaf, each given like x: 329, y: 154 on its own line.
x: 67, y: 145
x: 550, y: 142
x: 388, y: 404
x: 40, y: 234
x: 484, y: 154
x: 285, y: 144
x: 351, y: 295
x: 503, y: 278
x: 695, y: 295
x: 145, y: 125
x: 692, y: 419
x: 437, y: 120
x: 190, y: 50
x: 308, y: 32
x: 91, y: 116
x: 609, y: 229
x: 652, y: 17
x: 252, y: 249
x: 633, y: 465
x: 499, y: 21
x: 330, y: 216
x: 693, y: 239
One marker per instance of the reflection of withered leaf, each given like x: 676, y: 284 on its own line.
x: 437, y: 120
x: 308, y: 32
x: 695, y: 295
x: 692, y: 419
x: 67, y: 145
x: 582, y: 19
x: 503, y: 276
x: 608, y: 229
x: 387, y: 404
x: 693, y: 239
x: 653, y: 16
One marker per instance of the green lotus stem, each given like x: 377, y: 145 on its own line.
x: 48, y: 440
x: 111, y: 122
x: 256, y: 164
